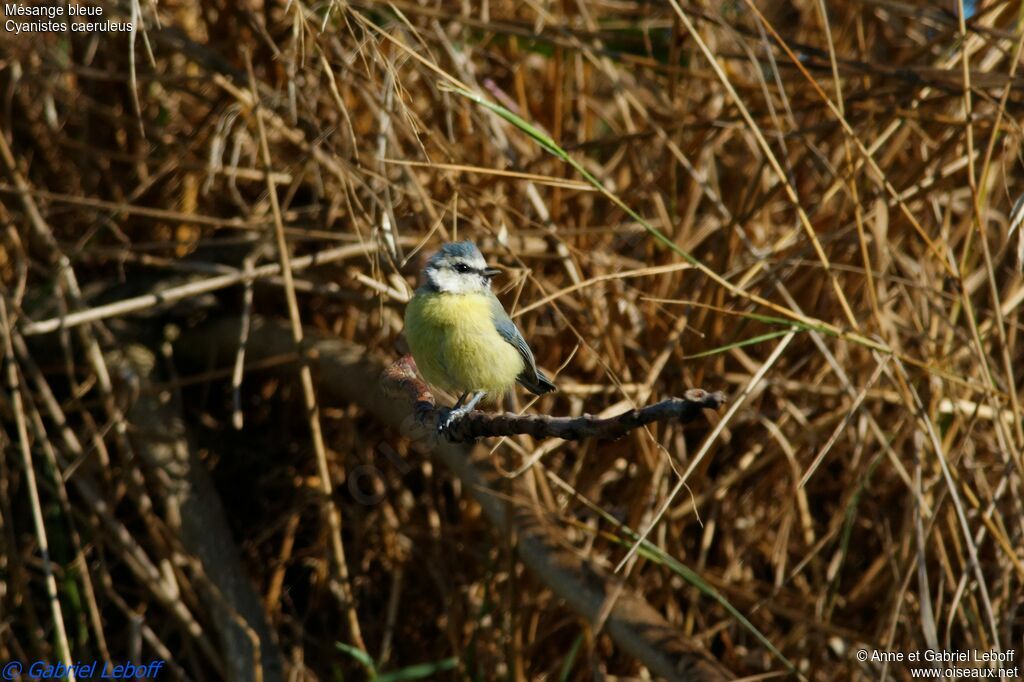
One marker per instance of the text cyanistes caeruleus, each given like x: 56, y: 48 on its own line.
x: 462, y: 339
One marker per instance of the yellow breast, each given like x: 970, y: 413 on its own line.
x: 455, y: 345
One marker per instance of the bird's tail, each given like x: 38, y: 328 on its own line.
x: 538, y: 384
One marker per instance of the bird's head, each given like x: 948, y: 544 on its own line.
x: 458, y: 268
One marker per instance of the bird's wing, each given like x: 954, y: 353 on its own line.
x: 510, y: 332
x: 530, y: 378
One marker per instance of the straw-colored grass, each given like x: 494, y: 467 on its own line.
x: 804, y: 205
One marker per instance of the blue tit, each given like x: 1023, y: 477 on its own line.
x: 462, y: 339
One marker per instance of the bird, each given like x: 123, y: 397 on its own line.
x: 460, y: 336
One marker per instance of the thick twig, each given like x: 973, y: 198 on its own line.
x: 402, y: 378
x: 191, y: 289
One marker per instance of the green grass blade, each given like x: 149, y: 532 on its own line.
x: 360, y: 656
x: 420, y: 671
x: 655, y: 554
x: 570, y: 659
x: 545, y: 141
x: 739, y: 344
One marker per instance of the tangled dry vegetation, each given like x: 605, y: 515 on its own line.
x: 804, y: 205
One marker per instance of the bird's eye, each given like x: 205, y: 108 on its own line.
x: 462, y: 267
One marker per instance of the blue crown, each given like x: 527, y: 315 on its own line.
x: 466, y: 249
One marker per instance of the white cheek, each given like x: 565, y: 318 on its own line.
x: 455, y: 284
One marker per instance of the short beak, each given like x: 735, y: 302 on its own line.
x: 491, y: 272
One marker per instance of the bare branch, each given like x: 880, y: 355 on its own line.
x: 402, y: 378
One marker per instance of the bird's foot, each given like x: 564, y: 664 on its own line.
x: 450, y: 417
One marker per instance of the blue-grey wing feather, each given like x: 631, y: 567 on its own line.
x: 531, y: 378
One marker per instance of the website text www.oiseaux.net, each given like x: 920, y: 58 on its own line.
x: 949, y: 664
